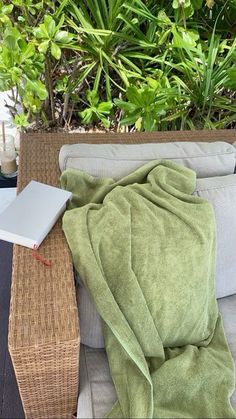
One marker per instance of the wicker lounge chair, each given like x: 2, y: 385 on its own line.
x: 44, y: 335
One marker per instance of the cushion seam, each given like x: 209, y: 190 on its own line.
x: 70, y: 156
x: 215, y: 187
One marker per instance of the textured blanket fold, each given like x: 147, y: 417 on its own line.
x: 145, y: 248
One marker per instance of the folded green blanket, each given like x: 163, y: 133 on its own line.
x: 145, y: 248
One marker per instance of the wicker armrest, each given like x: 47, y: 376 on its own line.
x: 43, y: 327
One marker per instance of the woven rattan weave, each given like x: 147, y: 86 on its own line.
x: 43, y: 325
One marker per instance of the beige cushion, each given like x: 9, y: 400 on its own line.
x: 118, y: 160
x: 221, y: 192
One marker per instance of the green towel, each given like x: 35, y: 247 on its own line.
x: 145, y: 248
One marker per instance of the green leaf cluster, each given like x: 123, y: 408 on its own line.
x: 146, y: 106
x: 96, y: 111
x: 51, y: 38
x: 145, y: 64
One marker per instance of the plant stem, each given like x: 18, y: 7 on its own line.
x: 50, y: 89
x: 65, y: 107
x: 71, y: 113
x: 184, y: 20
x: 68, y: 93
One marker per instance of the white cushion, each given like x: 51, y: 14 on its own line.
x: 221, y: 192
x: 118, y: 160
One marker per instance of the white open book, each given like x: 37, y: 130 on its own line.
x: 32, y: 214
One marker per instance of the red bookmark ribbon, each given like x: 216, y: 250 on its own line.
x: 38, y: 257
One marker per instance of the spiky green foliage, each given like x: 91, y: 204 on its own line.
x: 94, y: 60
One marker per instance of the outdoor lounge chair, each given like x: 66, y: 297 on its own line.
x: 44, y: 338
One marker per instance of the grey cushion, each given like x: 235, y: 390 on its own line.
x: 221, y: 192
x: 91, y: 332
x: 227, y: 307
x: 117, y: 160
x: 97, y: 392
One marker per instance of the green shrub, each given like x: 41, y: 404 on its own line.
x: 145, y: 64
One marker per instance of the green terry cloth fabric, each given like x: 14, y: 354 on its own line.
x: 145, y: 248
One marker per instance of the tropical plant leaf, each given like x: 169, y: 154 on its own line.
x: 55, y: 51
